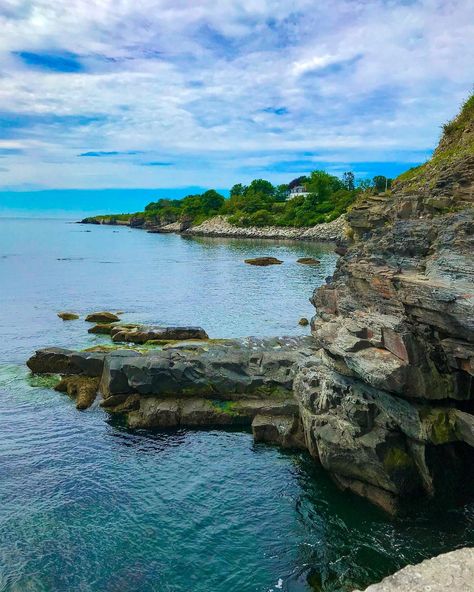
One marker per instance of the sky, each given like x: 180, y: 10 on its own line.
x: 103, y: 94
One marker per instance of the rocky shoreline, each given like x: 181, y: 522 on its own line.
x: 385, y: 400
x: 187, y: 383
x: 219, y: 227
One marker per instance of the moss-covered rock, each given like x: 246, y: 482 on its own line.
x: 263, y: 261
x: 68, y: 316
x: 308, y: 261
x: 82, y: 388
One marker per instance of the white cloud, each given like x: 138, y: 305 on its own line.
x: 224, y: 84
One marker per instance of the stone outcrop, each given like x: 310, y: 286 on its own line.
x: 247, y: 382
x: 387, y: 404
x: 452, y: 571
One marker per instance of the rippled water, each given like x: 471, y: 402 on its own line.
x: 87, y: 505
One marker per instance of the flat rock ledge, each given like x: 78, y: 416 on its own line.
x: 448, y: 572
x: 246, y: 382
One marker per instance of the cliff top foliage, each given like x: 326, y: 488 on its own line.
x: 261, y: 203
x: 456, y: 144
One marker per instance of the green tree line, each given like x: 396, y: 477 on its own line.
x: 261, y: 203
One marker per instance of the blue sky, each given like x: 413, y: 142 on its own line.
x: 98, y: 94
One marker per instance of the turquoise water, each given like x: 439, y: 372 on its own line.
x: 87, y: 505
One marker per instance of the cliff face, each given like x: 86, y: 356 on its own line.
x: 388, y: 403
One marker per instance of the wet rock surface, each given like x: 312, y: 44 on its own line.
x: 220, y: 383
x: 82, y: 388
x: 451, y: 571
x: 68, y: 316
x: 102, y: 317
x: 263, y: 261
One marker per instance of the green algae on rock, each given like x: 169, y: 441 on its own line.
x: 68, y: 316
x: 308, y: 261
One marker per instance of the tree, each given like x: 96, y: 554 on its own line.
x: 262, y: 186
x: 237, y: 189
x: 323, y: 184
x: 381, y: 183
x: 348, y: 180
x: 211, y: 201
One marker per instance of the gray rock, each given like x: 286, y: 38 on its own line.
x: 158, y: 412
x: 452, y: 571
x: 220, y: 372
x: 56, y: 360
x: 284, y: 430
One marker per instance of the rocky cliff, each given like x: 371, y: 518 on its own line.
x: 388, y: 402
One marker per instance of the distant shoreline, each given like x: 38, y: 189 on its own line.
x: 219, y: 227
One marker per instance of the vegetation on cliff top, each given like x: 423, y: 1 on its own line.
x: 324, y: 198
x: 456, y: 143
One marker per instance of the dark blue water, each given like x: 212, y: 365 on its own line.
x: 87, y: 505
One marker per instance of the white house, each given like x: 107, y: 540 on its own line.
x: 297, y: 191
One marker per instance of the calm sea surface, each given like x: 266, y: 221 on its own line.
x: 87, y: 505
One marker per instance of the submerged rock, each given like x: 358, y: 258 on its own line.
x: 68, y: 316
x: 102, y: 317
x: 263, y: 261
x: 303, y: 322
x: 308, y: 261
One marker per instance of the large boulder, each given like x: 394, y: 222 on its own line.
x: 284, y: 430
x: 102, y: 317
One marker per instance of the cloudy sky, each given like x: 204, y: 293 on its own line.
x: 172, y: 93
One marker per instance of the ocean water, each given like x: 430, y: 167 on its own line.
x: 87, y: 505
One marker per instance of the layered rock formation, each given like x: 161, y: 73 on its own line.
x: 245, y: 382
x: 387, y: 404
